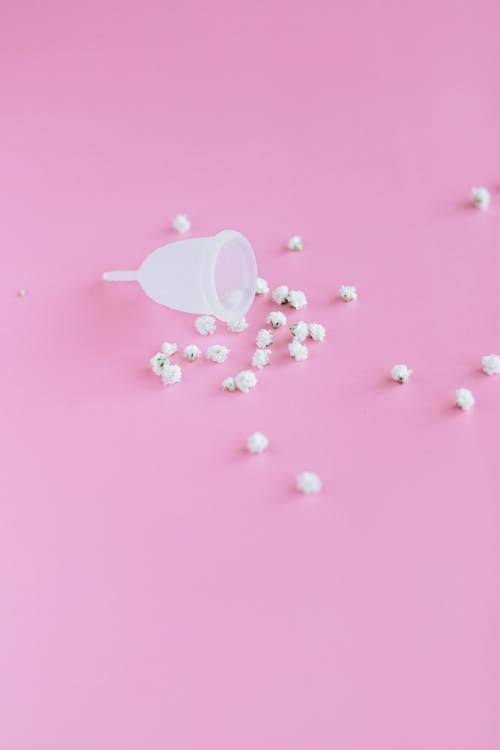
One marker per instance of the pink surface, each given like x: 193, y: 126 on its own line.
x: 159, y: 587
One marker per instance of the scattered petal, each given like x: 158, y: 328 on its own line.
x: 181, y: 223
x: 257, y: 442
x: 205, y: 325
x: 401, y: 373
x: 464, y: 399
x: 308, y: 483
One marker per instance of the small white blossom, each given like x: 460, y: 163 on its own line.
x: 262, y: 286
x: 264, y: 338
x: 229, y: 384
x: 245, y: 380
x: 22, y: 293
x: 317, y: 331
x: 181, y: 223
x: 217, y: 353
x: 401, y: 373
x: 297, y: 299
x: 464, y: 399
x: 280, y: 294
x: 257, y: 442
x: 171, y: 374
x: 491, y: 364
x: 158, y: 362
x: 481, y: 197
x: 168, y: 349
x: 276, y: 319
x: 205, y: 324
x: 295, y: 242
x: 308, y: 483
x: 348, y: 293
x: 300, y: 331
x: 237, y: 326
x: 192, y: 352
x: 298, y: 351
x: 261, y: 358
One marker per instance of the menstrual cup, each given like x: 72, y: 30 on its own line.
x: 210, y: 275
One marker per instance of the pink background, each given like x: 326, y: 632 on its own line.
x: 159, y: 587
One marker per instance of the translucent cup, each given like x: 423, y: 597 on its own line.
x: 205, y: 275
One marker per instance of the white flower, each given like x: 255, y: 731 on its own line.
x: 464, y: 399
x: 192, y: 352
x: 158, y: 362
x: 348, y: 293
x: 261, y: 358
x: 298, y: 351
x: 264, y: 338
x: 171, y: 374
x: 245, y: 380
x: 481, y: 197
x: 217, y: 353
x: 181, y: 223
x: 491, y: 364
x: 205, y: 324
x: 22, y: 293
x: 229, y: 384
x: 262, y: 286
x: 237, y: 326
x: 276, y: 319
x: 257, y: 442
x: 296, y: 299
x: 317, y: 331
x: 280, y: 294
x: 300, y: 331
x: 294, y: 242
x: 401, y: 373
x: 308, y: 482
x: 168, y: 349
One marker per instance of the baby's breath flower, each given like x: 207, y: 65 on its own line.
x: 262, y: 286
x: 297, y: 299
x: 295, y: 242
x: 261, y: 358
x: 168, y: 349
x: 257, y: 442
x: 264, y: 338
x: 205, y: 324
x: 276, y: 319
x: 245, y: 380
x: 481, y: 197
x: 491, y: 364
x: 401, y: 373
x: 171, y: 374
x: 298, y: 351
x: 158, y: 362
x: 229, y: 384
x: 217, y: 353
x: 192, y: 352
x: 348, y: 293
x: 308, y: 483
x: 181, y: 223
x: 300, y: 331
x: 464, y: 399
x: 280, y: 294
x: 317, y: 331
x: 237, y: 326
